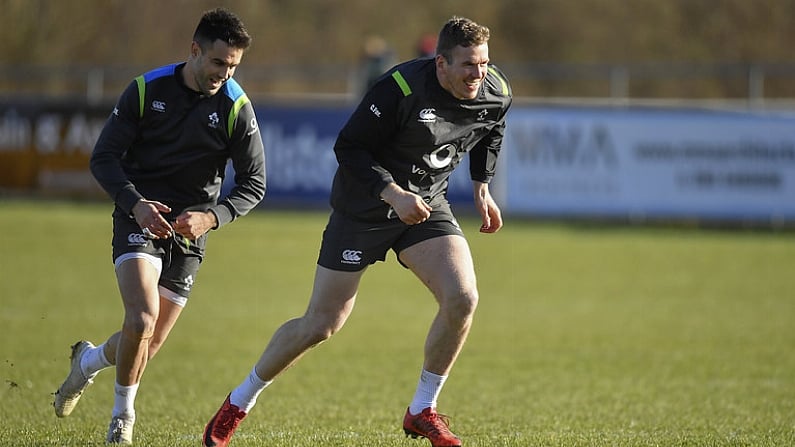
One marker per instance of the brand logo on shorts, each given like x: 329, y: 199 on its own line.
x: 352, y: 257
x: 136, y: 240
x: 188, y: 282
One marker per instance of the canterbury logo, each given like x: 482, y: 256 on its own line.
x: 351, y: 256
x: 427, y: 116
x: 136, y: 239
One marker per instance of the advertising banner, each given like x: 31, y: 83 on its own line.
x: 650, y: 163
x: 46, y: 146
x: 635, y: 163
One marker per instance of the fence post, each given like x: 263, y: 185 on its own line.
x: 95, y: 81
x: 619, y: 82
x: 756, y: 85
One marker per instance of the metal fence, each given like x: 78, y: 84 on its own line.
x: 757, y: 84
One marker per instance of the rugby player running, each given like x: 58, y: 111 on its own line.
x: 161, y: 157
x: 395, y: 155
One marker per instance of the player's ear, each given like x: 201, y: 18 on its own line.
x: 195, y: 49
x: 440, y: 61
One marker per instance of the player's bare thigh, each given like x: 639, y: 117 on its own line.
x: 444, y: 264
x: 169, y: 313
x: 333, y: 296
x: 137, y: 278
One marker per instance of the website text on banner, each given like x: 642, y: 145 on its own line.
x: 650, y: 163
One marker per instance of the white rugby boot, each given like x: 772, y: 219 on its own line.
x: 120, y: 430
x: 69, y: 393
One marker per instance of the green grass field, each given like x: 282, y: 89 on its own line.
x: 585, y: 336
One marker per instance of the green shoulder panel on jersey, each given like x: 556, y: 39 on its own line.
x: 164, y: 71
x: 141, y: 94
x: 401, y: 82
x: 239, y: 99
x: 505, y: 90
x: 239, y: 103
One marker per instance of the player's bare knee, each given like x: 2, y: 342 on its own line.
x: 140, y: 326
x: 462, y: 305
x: 318, y: 332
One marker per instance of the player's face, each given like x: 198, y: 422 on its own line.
x: 464, y: 73
x: 213, y: 66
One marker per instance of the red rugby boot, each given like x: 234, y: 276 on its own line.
x: 429, y: 424
x: 222, y: 426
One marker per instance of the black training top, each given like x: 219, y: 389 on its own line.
x: 169, y: 143
x: 411, y: 131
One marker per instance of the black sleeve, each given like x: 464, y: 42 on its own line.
x: 248, y: 159
x: 116, y: 138
x: 367, y: 133
x: 483, y: 157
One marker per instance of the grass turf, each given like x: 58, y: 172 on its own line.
x: 585, y: 336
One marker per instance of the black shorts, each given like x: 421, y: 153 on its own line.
x: 181, y: 258
x: 351, y: 245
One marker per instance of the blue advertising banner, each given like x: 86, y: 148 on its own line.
x: 299, y: 149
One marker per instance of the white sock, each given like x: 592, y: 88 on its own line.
x: 94, y: 361
x: 245, y: 395
x: 124, y: 401
x: 428, y: 389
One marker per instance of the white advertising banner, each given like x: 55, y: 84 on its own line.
x: 649, y: 163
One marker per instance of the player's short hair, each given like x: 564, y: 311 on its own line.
x: 460, y: 31
x: 224, y: 25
